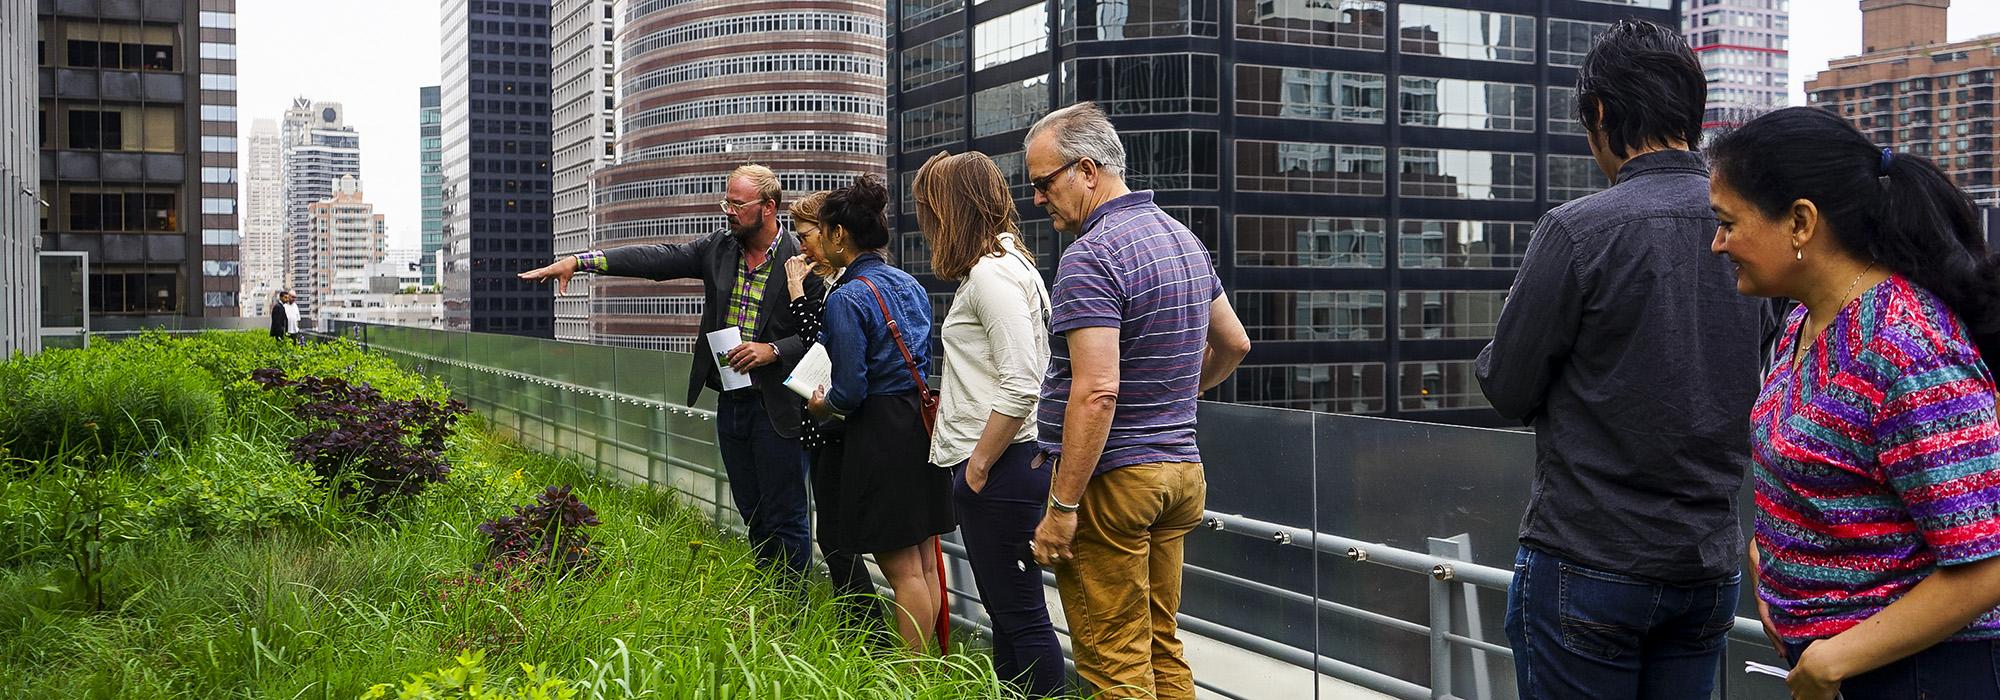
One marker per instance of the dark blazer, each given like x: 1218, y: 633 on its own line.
x: 279, y: 324
x: 714, y: 260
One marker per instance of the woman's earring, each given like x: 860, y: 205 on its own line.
x: 1799, y: 253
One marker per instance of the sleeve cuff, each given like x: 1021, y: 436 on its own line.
x: 592, y: 262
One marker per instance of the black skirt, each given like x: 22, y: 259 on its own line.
x: 884, y: 492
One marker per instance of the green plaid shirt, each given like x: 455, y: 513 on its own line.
x: 746, y: 301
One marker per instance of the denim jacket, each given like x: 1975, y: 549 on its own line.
x: 864, y: 356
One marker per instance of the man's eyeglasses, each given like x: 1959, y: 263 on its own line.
x: 731, y: 206
x: 1041, y: 184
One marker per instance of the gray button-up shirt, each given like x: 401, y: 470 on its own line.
x: 1625, y: 344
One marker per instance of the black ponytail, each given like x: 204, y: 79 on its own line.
x: 1897, y: 209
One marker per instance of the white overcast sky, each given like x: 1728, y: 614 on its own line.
x: 372, y: 55
x: 369, y: 55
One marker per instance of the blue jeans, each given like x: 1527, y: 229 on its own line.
x: 767, y: 478
x: 1949, y: 670
x: 997, y: 523
x: 1579, y: 632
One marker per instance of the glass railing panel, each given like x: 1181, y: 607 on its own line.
x: 1258, y: 464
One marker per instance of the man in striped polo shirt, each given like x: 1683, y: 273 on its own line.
x: 1140, y: 328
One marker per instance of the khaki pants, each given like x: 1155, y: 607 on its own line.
x: 1123, y: 588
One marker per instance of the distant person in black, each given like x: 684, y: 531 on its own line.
x: 1624, y: 344
x: 285, y: 317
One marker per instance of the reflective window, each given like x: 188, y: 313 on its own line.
x: 1467, y: 104
x: 1346, y: 24
x: 218, y: 20
x: 218, y: 81
x: 1010, y: 37
x: 1431, y: 386
x: 817, y: 23
x: 1112, y: 20
x: 1171, y: 83
x: 1562, y: 112
x: 1330, y: 388
x: 743, y: 105
x: 917, y: 12
x: 1455, y: 174
x: 933, y: 125
x: 1571, y: 177
x: 1009, y: 107
x: 1470, y: 34
x: 934, y: 61
x: 1305, y: 93
x: 1171, y: 160
x: 1659, y: 4
x: 1014, y: 167
x: 1317, y: 315
x: 1308, y: 241
x: 1449, y: 315
x: 1569, y: 40
x: 1206, y: 225
x: 1438, y: 243
x: 1310, y: 168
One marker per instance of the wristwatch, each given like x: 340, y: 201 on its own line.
x: 1062, y: 507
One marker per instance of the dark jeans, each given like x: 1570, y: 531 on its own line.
x: 767, y: 479
x: 1950, y: 670
x: 847, y: 571
x: 1579, y: 632
x: 997, y: 523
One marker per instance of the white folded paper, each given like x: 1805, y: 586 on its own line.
x: 814, y: 371
x: 1766, y: 669
x: 720, y: 342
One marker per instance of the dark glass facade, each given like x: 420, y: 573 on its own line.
x: 1367, y: 173
x: 494, y: 103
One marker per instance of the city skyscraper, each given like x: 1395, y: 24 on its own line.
x: 430, y: 178
x: 139, y: 123
x: 20, y: 168
x: 264, y: 245
x: 1745, y: 49
x: 346, y: 241
x: 584, y: 140
x: 1365, y: 173
x: 1913, y: 91
x: 318, y: 148
x: 707, y: 87
x: 497, y: 220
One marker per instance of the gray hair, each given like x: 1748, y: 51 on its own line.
x: 1082, y: 131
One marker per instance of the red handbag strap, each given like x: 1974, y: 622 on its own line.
x: 923, y: 387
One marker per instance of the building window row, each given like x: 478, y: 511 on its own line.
x: 122, y: 128
x: 933, y: 61
x: 812, y: 142
x: 1117, y: 20
x: 121, y: 46
x: 218, y: 175
x: 1462, y: 174
x: 741, y: 105
x: 122, y: 210
x: 1171, y: 160
x: 1010, y: 37
x: 218, y: 20
x: 218, y: 51
x: 218, y: 81
x: 1326, y: 387
x: 820, y: 23
x: 784, y: 63
x: 1454, y: 103
x: 683, y: 305
x: 1310, y: 168
x: 1175, y: 83
x: 1345, y: 24
x: 916, y: 12
x: 712, y: 185
x: 218, y: 113
x: 1307, y: 93
x: 679, y: 229
x: 1009, y: 107
x: 1309, y: 241
x: 1289, y: 315
x: 669, y: 343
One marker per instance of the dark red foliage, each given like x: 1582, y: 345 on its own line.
x: 547, y: 535
x: 371, y: 445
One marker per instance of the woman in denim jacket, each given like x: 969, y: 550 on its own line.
x: 890, y: 501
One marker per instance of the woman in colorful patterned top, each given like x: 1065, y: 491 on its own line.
x: 1877, y: 452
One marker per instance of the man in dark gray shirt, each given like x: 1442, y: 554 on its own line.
x: 1625, y: 344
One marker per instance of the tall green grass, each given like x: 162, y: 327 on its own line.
x: 251, y: 582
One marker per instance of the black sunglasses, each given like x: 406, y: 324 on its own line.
x: 1041, y: 184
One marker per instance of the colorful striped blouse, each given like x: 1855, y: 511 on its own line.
x: 1878, y: 460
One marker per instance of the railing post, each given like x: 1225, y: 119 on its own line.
x: 1440, y: 621
x: 1459, y: 547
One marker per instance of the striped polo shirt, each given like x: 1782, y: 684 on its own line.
x: 1878, y: 460
x: 1139, y: 271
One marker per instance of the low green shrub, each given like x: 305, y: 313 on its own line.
x: 115, y: 404
x: 466, y: 679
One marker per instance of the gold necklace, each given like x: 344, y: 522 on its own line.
x: 1799, y: 352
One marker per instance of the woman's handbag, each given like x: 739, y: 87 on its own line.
x: 927, y: 398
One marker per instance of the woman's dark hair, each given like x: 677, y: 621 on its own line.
x: 858, y: 208
x: 1896, y: 209
x: 1650, y: 85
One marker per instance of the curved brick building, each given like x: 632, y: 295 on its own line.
x: 704, y: 86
